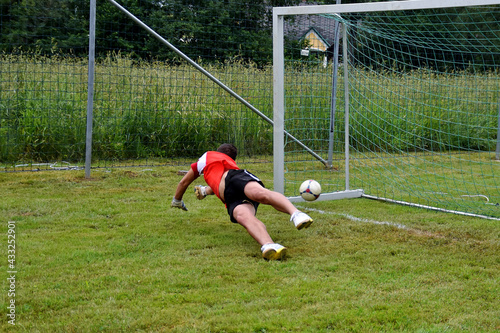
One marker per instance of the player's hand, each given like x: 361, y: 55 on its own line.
x: 200, y: 192
x: 178, y: 204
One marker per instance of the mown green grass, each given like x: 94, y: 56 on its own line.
x: 109, y: 254
x: 457, y: 181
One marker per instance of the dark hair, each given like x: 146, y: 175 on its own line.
x: 228, y: 149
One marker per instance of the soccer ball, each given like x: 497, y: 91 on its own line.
x: 310, y: 190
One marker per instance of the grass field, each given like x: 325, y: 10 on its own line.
x: 109, y: 254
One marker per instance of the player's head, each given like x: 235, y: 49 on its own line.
x: 228, y: 149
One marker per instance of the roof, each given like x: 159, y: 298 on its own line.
x: 316, y: 40
x: 300, y: 26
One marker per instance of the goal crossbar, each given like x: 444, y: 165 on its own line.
x: 379, y: 6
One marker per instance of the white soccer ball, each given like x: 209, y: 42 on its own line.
x: 310, y: 190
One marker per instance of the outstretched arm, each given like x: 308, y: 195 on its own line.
x: 188, y: 178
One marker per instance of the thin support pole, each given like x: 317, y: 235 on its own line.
x: 213, y: 78
x: 90, y: 89
x: 333, y: 105
x: 346, y: 96
x: 497, y: 155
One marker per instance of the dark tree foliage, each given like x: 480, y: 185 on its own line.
x: 222, y: 30
x: 215, y: 29
x: 44, y: 26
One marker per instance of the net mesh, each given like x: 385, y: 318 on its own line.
x: 150, y: 106
x: 423, y: 89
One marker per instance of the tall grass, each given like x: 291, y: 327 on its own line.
x: 140, y: 109
x: 390, y: 111
x: 42, y: 107
x: 153, y: 109
x: 423, y: 111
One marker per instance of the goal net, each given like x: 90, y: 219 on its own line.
x: 396, y: 101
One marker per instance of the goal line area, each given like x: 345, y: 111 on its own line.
x: 399, y: 101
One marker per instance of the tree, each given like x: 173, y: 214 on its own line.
x: 45, y: 26
x: 218, y: 30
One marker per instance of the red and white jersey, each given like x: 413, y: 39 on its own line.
x: 212, y: 166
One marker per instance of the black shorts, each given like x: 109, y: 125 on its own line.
x: 234, y: 193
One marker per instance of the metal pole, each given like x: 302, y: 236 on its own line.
x: 278, y: 105
x: 497, y: 156
x: 90, y: 89
x: 211, y: 77
x: 346, y: 93
x: 334, y: 91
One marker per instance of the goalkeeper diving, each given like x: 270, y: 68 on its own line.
x: 241, y: 192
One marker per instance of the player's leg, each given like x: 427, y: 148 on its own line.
x: 244, y: 214
x: 254, y: 191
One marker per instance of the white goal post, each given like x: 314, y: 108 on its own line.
x: 279, y: 85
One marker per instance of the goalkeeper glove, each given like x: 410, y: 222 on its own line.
x: 178, y: 204
x: 200, y: 192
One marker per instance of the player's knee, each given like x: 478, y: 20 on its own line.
x: 262, y: 196
x: 239, y: 216
x: 243, y: 212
